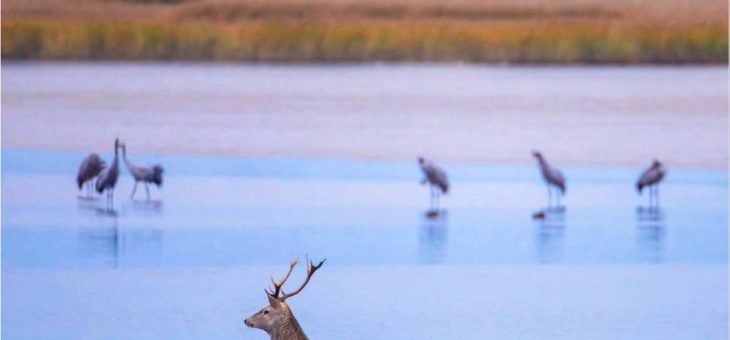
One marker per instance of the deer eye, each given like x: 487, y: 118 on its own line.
x: 266, y: 312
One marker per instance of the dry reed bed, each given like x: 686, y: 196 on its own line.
x: 566, y: 31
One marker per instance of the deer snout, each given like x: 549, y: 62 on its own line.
x: 248, y: 323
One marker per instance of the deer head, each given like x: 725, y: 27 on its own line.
x: 276, y: 318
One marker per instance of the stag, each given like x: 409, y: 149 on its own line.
x: 277, y: 319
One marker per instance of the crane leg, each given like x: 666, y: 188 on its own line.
x: 649, y: 189
x: 558, y: 195
x: 651, y: 196
x: 656, y: 193
x: 133, y: 190
x: 550, y: 197
x: 147, y: 188
x: 438, y: 196
x: 431, y: 201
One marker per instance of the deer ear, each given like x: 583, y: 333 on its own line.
x: 273, y: 302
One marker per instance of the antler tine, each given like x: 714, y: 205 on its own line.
x: 311, y: 268
x: 278, y: 285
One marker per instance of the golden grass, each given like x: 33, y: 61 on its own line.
x: 525, y: 31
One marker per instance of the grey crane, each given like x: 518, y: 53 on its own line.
x: 650, y: 179
x: 552, y: 176
x: 436, y: 178
x: 90, y: 167
x: 143, y: 174
x: 107, y: 179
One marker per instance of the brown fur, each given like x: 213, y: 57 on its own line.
x: 277, y: 319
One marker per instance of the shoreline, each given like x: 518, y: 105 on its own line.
x: 364, y: 64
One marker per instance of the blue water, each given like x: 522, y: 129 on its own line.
x: 604, y: 221
x: 192, y: 262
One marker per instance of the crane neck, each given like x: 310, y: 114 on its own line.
x: 116, y: 156
x: 124, y: 156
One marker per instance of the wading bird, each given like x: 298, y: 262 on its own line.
x: 552, y: 176
x: 436, y: 178
x: 650, y: 178
x: 107, y: 179
x: 142, y: 174
x: 90, y: 168
x: 277, y: 319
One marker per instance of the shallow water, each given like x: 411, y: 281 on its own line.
x: 485, y: 114
x: 193, y: 261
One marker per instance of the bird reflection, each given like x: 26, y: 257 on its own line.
x: 433, y: 238
x: 144, y: 207
x: 650, y: 214
x: 550, y: 214
x: 147, y: 207
x: 650, y: 233
x: 95, y: 207
x: 111, y: 246
x: 87, y: 199
x: 549, y: 232
x: 106, y: 212
x: 435, y: 214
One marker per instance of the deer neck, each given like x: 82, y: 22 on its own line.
x: 289, y: 329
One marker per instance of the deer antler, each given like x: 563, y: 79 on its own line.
x: 311, y: 268
x: 278, y: 285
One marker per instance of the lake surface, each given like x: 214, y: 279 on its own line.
x: 482, y: 114
x: 264, y: 163
x: 193, y: 261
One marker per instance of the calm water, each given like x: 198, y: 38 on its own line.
x: 321, y: 161
x: 485, y: 114
x: 193, y: 261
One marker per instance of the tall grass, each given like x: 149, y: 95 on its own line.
x: 304, y: 41
x: 586, y: 32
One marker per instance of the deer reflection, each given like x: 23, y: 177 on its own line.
x: 549, y: 232
x: 433, y: 238
x: 650, y: 233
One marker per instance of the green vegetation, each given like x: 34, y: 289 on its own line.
x: 415, y: 35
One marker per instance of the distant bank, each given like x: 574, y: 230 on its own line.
x: 621, y: 32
